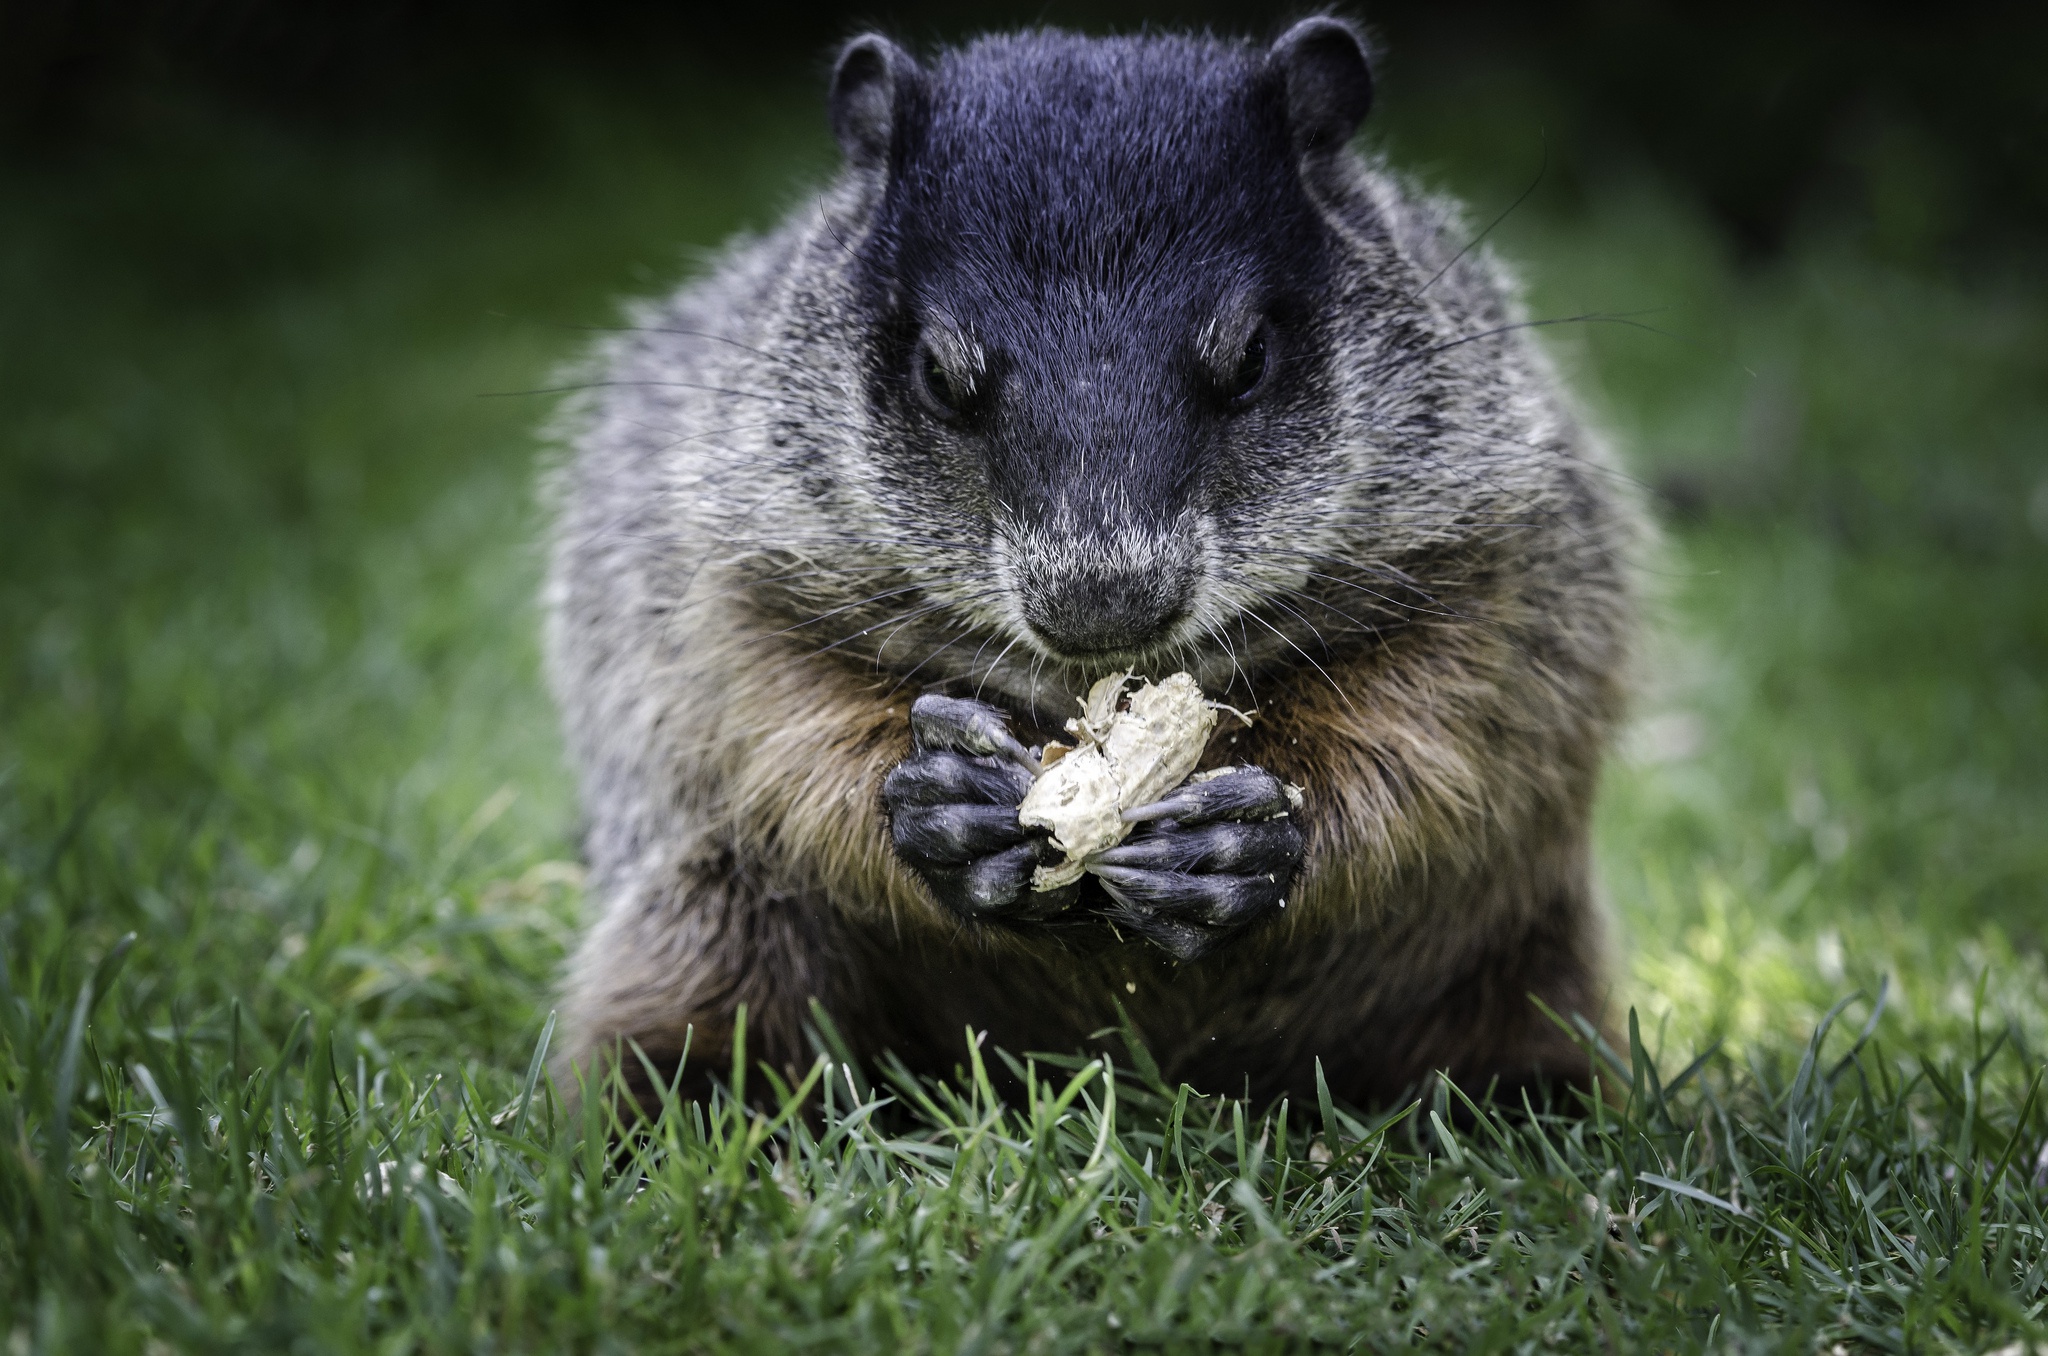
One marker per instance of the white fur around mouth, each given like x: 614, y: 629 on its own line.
x: 1126, y: 553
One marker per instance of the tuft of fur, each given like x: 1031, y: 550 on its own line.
x: 1408, y: 559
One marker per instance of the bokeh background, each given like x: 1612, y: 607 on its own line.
x: 272, y: 277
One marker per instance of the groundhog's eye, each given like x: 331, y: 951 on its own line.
x: 938, y: 390
x: 1246, y: 380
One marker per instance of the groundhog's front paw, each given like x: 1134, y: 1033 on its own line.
x: 953, y: 813
x: 1205, y: 863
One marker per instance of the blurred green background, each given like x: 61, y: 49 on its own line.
x: 268, y: 688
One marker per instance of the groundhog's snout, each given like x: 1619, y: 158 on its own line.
x: 1091, y: 595
x: 1086, y: 616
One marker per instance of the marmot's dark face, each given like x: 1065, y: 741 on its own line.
x: 1098, y: 286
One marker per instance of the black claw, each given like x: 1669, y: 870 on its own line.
x: 955, y: 833
x: 1270, y: 846
x: 992, y: 886
x: 1241, y: 793
x: 1037, y: 905
x: 941, y: 778
x: 998, y: 880
x: 997, y: 887
x: 1220, y: 901
x: 1182, y: 941
x: 965, y: 726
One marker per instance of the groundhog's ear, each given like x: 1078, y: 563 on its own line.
x: 1327, y: 80
x: 865, y: 83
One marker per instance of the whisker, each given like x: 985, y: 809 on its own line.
x: 1396, y: 577
x: 1320, y: 638
x: 898, y: 685
x: 780, y: 358
x: 1558, y: 450
x: 848, y: 607
x: 1467, y: 474
x: 1341, y: 693
x: 781, y: 539
x: 957, y: 602
x: 1626, y: 318
x: 1441, y: 609
x: 994, y: 664
x: 1472, y: 244
x: 1363, y: 519
x: 745, y: 585
x: 1365, y: 627
x: 1236, y: 669
x: 926, y: 610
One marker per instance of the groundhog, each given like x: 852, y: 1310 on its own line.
x: 1099, y: 355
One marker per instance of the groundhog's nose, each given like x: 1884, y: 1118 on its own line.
x: 1095, y: 594
x: 1087, y: 615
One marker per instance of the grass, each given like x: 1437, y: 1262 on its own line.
x: 286, y: 863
